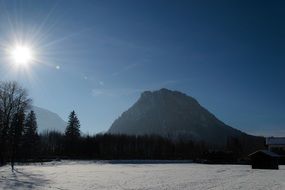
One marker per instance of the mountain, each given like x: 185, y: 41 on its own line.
x: 48, y: 120
x: 175, y: 115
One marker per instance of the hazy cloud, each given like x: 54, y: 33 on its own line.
x: 97, y: 92
x: 101, y: 83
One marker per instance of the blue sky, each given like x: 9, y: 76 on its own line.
x: 96, y: 57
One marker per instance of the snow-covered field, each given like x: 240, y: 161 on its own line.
x: 88, y: 175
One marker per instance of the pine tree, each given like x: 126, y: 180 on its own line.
x: 72, y: 131
x: 72, y: 134
x: 31, y: 125
x: 30, y: 135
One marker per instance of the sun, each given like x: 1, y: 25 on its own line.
x: 21, y: 55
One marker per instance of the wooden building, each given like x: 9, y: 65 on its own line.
x: 264, y: 159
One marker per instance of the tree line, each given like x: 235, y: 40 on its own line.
x: 19, y: 138
x: 20, y: 141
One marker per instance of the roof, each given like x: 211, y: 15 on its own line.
x: 275, y: 141
x: 266, y: 152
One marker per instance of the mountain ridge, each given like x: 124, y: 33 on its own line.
x: 172, y: 114
x: 48, y: 120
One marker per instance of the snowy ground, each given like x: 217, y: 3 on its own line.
x: 88, y: 175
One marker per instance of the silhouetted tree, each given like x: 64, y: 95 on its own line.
x: 72, y: 134
x: 52, y: 144
x: 73, y: 128
x: 234, y: 145
x: 13, y: 104
x: 30, y: 136
x: 2, y: 138
x: 108, y: 146
x: 15, y: 133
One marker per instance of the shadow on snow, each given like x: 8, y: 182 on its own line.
x: 23, y: 180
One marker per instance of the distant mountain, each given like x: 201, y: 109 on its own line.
x: 175, y: 115
x: 48, y: 120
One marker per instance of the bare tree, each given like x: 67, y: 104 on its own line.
x: 14, y: 102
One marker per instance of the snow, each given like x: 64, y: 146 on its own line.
x: 99, y: 175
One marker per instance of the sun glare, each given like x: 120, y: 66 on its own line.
x: 21, y: 55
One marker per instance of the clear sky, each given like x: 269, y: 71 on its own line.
x: 96, y: 57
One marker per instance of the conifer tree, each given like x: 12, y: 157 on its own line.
x: 73, y: 128
x: 31, y: 125
x: 30, y: 135
x: 72, y: 134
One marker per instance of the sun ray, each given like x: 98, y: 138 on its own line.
x: 26, y: 47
